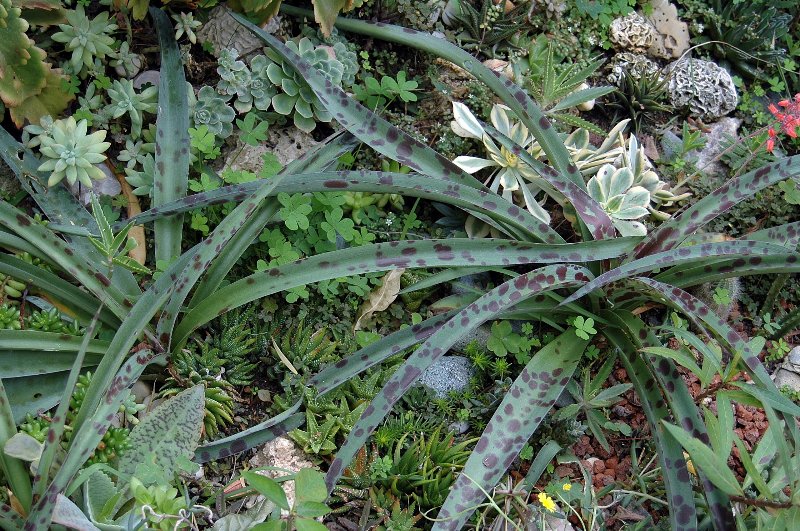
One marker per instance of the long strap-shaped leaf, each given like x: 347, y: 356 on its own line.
x: 207, y: 253
x: 64, y: 254
x: 9, y: 519
x: 673, y: 232
x: 59, y: 206
x: 787, y: 235
x: 171, y: 176
x: 318, y: 158
x: 85, y: 441
x: 41, y: 280
x: 488, y: 306
x: 251, y: 437
x: 515, y: 97
x: 716, y: 270
x: 676, y: 392
x: 37, y: 347
x: 684, y: 255
x: 524, y: 406
x: 336, y: 374
x: 413, y: 185
x: 705, y: 318
x: 589, y: 210
x: 387, y: 256
x: 677, y: 482
x: 14, y: 471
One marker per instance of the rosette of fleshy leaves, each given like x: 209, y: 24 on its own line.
x: 510, y: 173
x: 125, y: 100
x: 295, y: 97
x: 211, y: 109
x: 86, y: 38
x: 623, y: 201
x: 72, y: 153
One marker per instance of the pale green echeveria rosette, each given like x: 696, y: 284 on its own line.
x: 512, y: 174
x: 72, y: 153
x: 624, y: 202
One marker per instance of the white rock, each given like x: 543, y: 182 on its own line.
x: 286, y: 144
x: 672, y: 34
x: 632, y: 33
x: 703, y: 87
x: 281, y: 452
x: 635, y: 64
x: 223, y: 31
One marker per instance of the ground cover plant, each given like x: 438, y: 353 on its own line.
x: 210, y: 306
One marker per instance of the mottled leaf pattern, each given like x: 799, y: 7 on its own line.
x: 488, y: 306
x: 171, y: 177
x: 526, y: 403
x: 683, y: 255
x: 672, y: 232
x: 386, y: 256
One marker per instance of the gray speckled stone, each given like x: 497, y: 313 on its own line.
x: 448, y: 373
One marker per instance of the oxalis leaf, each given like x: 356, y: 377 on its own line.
x: 487, y: 307
x: 170, y: 432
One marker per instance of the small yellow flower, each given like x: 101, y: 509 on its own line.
x: 547, y: 502
x: 567, y: 487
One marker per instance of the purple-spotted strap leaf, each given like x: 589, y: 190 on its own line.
x: 714, y: 271
x: 487, y: 307
x: 589, y: 210
x: 207, y: 253
x: 171, y: 172
x: 325, y: 381
x: 86, y: 439
x: 409, y: 185
x: 523, y: 408
x: 59, y: 205
x: 251, y: 437
x: 672, y: 232
x: 14, y: 470
x: 38, y: 278
x: 683, y: 408
x: 55, y: 431
x: 705, y: 318
x: 64, y: 254
x: 675, y: 475
x: 387, y: 256
x: 340, y: 372
x: 383, y: 137
x: 787, y: 235
x: 684, y: 255
x: 512, y: 95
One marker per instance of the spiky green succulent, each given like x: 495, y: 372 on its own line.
x: 125, y: 100
x: 212, y: 110
x: 86, y: 38
x: 136, y: 152
x: 219, y: 402
x: 72, y: 153
x: 304, y: 348
x: 296, y: 98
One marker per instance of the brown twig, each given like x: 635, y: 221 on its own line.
x: 762, y: 503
